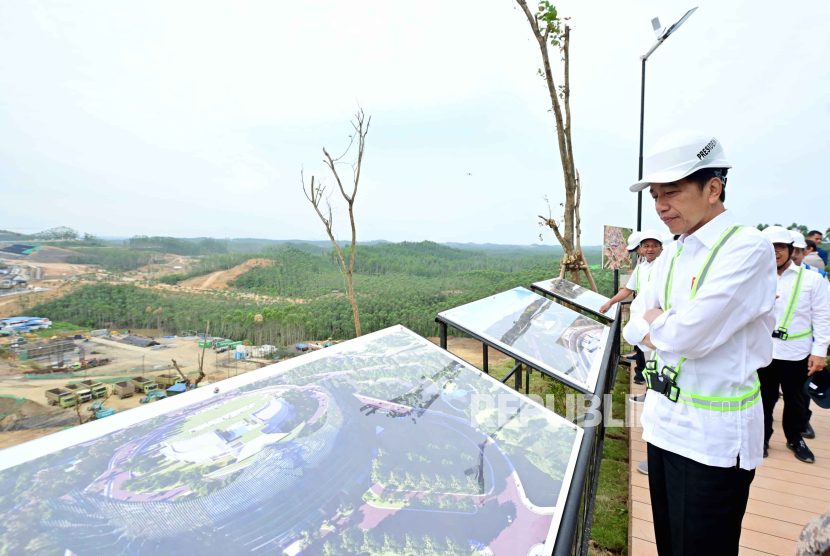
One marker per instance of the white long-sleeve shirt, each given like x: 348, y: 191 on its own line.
x: 811, y: 311
x: 725, y: 335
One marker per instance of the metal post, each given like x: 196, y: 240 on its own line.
x: 443, y: 334
x: 527, y: 381
x: 485, y: 356
x: 518, y: 384
x: 616, y: 282
x: 642, y: 123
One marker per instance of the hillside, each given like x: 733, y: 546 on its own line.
x: 406, y: 283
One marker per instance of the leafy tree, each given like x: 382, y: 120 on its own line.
x: 548, y: 29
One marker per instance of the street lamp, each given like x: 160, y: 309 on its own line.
x: 662, y: 35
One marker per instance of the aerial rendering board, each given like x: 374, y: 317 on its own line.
x: 552, y: 338
x: 583, y: 298
x: 615, y: 248
x: 377, y: 446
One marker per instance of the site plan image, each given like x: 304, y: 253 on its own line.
x: 579, y: 296
x: 557, y: 340
x: 381, y: 445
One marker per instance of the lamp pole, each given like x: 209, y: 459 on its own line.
x: 662, y: 35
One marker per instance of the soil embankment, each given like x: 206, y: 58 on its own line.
x: 219, y: 280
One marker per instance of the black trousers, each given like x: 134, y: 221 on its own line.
x: 791, y: 375
x: 639, y: 361
x: 697, y: 509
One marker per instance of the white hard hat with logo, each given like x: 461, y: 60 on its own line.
x: 634, y: 241
x: 777, y: 234
x: 798, y: 240
x: 678, y: 155
x: 651, y: 234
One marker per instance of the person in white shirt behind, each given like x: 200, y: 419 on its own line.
x: 708, y: 314
x: 811, y: 256
x: 650, y: 247
x: 801, y: 337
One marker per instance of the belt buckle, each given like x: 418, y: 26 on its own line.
x: 670, y: 373
x: 781, y: 334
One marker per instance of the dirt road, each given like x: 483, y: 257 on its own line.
x: 471, y: 351
x: 219, y: 280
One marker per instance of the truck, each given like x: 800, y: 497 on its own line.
x: 81, y: 392
x: 168, y: 380
x: 123, y: 389
x: 98, y: 389
x: 60, y: 396
x: 88, y: 364
x: 144, y: 385
x: 205, y: 343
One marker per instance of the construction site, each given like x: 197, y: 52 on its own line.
x: 67, y: 380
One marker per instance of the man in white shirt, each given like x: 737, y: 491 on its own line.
x: 649, y: 248
x: 801, y: 337
x: 708, y: 314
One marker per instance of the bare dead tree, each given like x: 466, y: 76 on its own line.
x: 548, y: 29
x: 316, y: 193
x: 201, y: 358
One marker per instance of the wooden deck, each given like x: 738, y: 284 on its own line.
x: 785, y: 494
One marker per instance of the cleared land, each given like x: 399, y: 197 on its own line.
x: 34, y: 418
x: 219, y: 280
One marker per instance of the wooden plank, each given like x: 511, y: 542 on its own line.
x: 792, y: 464
x: 796, y: 516
x: 743, y: 551
x: 786, y: 499
x: 822, y: 460
x: 791, y: 488
x: 770, y: 526
x: 641, y: 529
x: 804, y: 479
x: 767, y: 543
x: 640, y: 547
x: 639, y: 510
x: 640, y: 494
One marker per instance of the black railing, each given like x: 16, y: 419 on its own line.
x: 578, y: 514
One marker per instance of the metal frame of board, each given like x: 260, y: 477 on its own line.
x: 522, y: 362
x: 578, y: 513
x: 549, y: 293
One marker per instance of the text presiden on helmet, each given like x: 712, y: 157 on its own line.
x: 707, y: 311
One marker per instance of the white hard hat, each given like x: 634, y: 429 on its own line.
x: 668, y: 237
x: 777, y: 234
x: 651, y: 234
x: 798, y: 240
x: 634, y: 241
x: 678, y: 155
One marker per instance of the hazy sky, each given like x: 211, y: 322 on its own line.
x: 195, y: 118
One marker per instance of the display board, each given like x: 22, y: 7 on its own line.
x: 385, y: 444
x: 615, y: 248
x: 583, y: 298
x: 552, y: 338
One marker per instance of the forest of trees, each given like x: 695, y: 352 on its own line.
x: 397, y: 284
x: 115, y: 259
x: 178, y: 246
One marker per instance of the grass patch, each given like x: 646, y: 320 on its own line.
x: 609, y: 532
x: 610, y: 529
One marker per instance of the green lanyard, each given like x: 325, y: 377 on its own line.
x: 702, y: 275
x: 790, y: 312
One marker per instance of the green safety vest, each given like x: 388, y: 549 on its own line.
x: 720, y: 403
x: 788, y: 314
